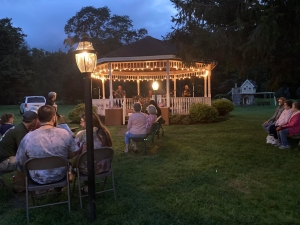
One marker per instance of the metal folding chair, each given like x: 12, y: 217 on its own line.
x: 102, y: 155
x: 45, y: 164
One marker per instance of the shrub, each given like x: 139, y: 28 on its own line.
x: 203, y: 113
x: 75, y: 114
x: 175, y: 119
x: 223, y: 106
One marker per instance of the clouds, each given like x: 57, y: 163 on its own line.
x: 43, y: 21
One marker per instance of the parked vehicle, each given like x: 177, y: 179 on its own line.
x: 30, y: 101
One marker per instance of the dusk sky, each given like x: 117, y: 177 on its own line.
x: 43, y: 21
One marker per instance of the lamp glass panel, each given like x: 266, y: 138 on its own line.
x: 155, y: 86
x: 86, y: 62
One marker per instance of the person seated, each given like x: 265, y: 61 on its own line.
x: 119, y: 93
x: 158, y: 110
x: 292, y: 127
x: 273, y: 119
x: 136, y: 127
x: 47, y: 141
x: 101, y: 137
x: 10, y: 141
x: 151, y: 118
x: 283, y: 119
x: 186, y: 92
x: 6, y: 122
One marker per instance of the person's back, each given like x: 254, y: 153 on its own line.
x: 10, y: 141
x: 6, y: 122
x: 46, y: 141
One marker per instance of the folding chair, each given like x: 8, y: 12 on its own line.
x: 45, y: 164
x: 160, y: 121
x: 102, y: 159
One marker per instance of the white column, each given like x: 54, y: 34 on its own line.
x: 110, y: 85
x: 209, y: 84
x: 138, y: 85
x: 174, y: 86
x: 103, y: 88
x: 205, y: 86
x: 168, y: 83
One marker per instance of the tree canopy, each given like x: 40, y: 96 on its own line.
x: 243, y: 35
x: 106, y: 31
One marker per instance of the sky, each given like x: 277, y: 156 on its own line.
x: 43, y: 21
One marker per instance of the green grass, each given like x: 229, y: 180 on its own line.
x: 219, y: 173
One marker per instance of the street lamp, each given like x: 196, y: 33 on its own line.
x: 86, y: 59
x: 155, y: 88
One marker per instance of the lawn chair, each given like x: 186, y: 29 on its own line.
x: 103, y: 159
x: 45, y: 164
x: 150, y: 137
x: 160, y: 120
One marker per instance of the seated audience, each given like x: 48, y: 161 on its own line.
x: 283, y: 119
x: 136, y: 126
x: 158, y: 110
x: 46, y: 141
x: 273, y: 119
x: 151, y: 118
x: 6, y: 122
x: 10, y: 141
x: 291, y: 128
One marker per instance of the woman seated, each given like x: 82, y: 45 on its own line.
x: 136, y: 127
x: 151, y: 118
x: 152, y: 102
x: 291, y: 128
x: 6, y: 122
x: 283, y: 119
x: 101, y: 137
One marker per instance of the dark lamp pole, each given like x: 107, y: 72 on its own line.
x: 155, y: 88
x: 86, y: 59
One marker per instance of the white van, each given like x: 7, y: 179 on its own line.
x: 30, y: 101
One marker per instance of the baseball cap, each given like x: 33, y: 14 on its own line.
x: 29, y: 116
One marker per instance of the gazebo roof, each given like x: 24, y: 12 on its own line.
x: 147, y: 46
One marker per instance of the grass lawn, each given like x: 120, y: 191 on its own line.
x: 218, y: 173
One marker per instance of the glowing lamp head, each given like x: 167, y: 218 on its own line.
x: 86, y: 56
x: 155, y: 86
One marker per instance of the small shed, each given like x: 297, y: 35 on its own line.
x: 244, y: 95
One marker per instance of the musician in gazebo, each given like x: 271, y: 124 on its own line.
x: 186, y: 92
x: 119, y: 93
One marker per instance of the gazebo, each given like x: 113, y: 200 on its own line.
x: 149, y: 59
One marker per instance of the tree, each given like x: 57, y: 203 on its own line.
x: 106, y: 32
x: 12, y: 74
x: 252, y: 37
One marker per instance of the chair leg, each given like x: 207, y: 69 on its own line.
x: 162, y: 132
x: 79, y: 188
x: 27, y: 201
x: 68, y: 189
x: 113, y: 183
x: 104, y: 183
x: 145, y: 146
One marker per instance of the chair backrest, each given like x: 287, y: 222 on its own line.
x: 102, y: 160
x: 154, y: 129
x: 45, y: 163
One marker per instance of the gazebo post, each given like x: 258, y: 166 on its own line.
x: 103, y: 89
x: 110, y: 86
x: 168, y: 82
x: 208, y: 83
x: 174, y: 91
x: 205, y: 86
x: 138, y: 84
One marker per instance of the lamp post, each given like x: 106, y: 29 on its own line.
x: 86, y: 59
x: 155, y: 88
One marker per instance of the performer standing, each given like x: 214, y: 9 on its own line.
x: 119, y: 93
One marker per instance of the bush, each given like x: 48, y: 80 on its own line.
x: 175, y: 119
x: 223, y: 106
x: 203, y: 113
x: 75, y: 114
